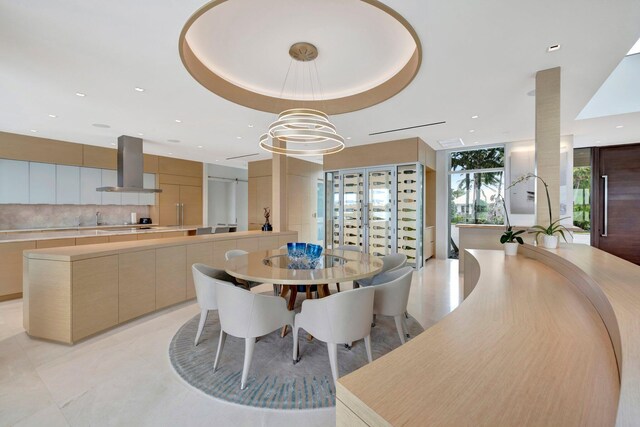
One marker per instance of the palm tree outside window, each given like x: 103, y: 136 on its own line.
x: 476, y: 178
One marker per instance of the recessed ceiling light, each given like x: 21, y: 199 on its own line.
x: 472, y: 131
x: 140, y: 134
x: 53, y: 116
x: 178, y: 121
x: 475, y: 142
x: 238, y: 137
x: 474, y: 117
x: 170, y: 153
x: 531, y: 93
x: 175, y: 141
x: 138, y: 89
x: 348, y: 137
x: 101, y: 125
x: 113, y: 143
x: 250, y: 126
x: 553, y: 48
x: 217, y: 160
x: 33, y: 130
x: 619, y: 127
x: 199, y: 146
x: 80, y: 94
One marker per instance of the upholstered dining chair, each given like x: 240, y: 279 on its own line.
x: 203, y: 230
x: 204, y: 279
x: 391, y: 297
x: 390, y: 262
x: 351, y: 248
x: 337, y: 319
x: 247, y: 315
x: 238, y: 252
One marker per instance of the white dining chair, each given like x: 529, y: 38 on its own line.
x: 390, y: 262
x: 236, y: 253
x: 204, y: 279
x: 337, y: 319
x: 248, y: 315
x: 391, y: 297
x: 352, y: 248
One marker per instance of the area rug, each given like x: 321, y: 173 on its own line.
x: 274, y: 381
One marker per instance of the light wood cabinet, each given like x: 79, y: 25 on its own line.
x: 55, y: 243
x: 171, y: 166
x: 95, y: 295
x: 136, y: 284
x: 91, y: 240
x: 180, y: 203
x: 123, y: 238
x: 171, y: 283
x: 221, y: 248
x: 11, y: 267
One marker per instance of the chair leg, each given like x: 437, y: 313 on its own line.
x: 276, y: 290
x: 292, y: 302
x: 356, y: 285
x: 405, y: 328
x: 296, y: 354
x: 374, y: 321
x: 367, y: 344
x: 249, y: 345
x: 203, y: 319
x: 338, y: 286
x: 333, y: 359
x: 308, y: 292
x: 223, y: 337
x: 398, y: 320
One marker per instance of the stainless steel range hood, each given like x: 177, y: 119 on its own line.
x: 130, y: 167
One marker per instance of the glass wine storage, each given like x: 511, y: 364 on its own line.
x: 377, y: 209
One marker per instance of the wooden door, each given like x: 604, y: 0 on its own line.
x: 616, y: 215
x: 191, y: 199
x: 169, y: 199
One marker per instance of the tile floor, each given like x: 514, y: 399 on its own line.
x: 123, y: 377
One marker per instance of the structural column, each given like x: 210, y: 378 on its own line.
x: 279, y: 189
x: 548, y: 143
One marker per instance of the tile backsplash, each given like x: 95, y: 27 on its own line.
x: 19, y: 217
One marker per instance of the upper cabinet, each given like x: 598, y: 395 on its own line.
x: 14, y: 181
x: 90, y: 179
x: 67, y: 185
x: 110, y: 179
x: 42, y: 183
x: 149, y: 181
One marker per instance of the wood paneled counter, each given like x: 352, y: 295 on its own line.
x: 543, y: 338
x: 73, y: 292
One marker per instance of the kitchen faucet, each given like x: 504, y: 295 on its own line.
x: 97, y: 218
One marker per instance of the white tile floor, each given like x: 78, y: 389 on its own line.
x: 123, y: 377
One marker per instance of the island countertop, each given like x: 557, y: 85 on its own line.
x: 548, y: 337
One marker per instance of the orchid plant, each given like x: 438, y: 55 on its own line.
x: 555, y: 227
x: 509, y: 236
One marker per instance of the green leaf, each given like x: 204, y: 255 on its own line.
x: 519, y: 239
x: 503, y: 239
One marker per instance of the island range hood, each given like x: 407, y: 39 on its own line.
x: 130, y: 167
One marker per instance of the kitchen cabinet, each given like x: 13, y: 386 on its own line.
x: 149, y: 181
x: 90, y: 179
x: 180, y: 205
x: 130, y: 198
x: 67, y: 185
x: 110, y: 179
x: 42, y: 183
x: 14, y: 181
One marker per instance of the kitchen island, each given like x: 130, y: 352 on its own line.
x: 14, y: 242
x: 547, y: 337
x: 74, y: 292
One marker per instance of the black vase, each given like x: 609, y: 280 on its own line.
x: 267, y: 227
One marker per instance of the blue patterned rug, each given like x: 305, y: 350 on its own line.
x: 274, y: 381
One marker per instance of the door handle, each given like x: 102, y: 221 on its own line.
x: 606, y: 206
x: 181, y: 214
x: 177, y: 213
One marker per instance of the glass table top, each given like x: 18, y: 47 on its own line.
x: 286, y: 262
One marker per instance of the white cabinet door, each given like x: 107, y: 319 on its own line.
x: 67, y: 185
x: 42, y: 183
x: 14, y: 181
x: 149, y: 181
x: 130, y: 198
x: 90, y: 179
x: 110, y: 179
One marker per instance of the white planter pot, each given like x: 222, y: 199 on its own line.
x: 511, y: 248
x: 550, y: 242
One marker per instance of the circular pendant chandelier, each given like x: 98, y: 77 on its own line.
x: 302, y: 131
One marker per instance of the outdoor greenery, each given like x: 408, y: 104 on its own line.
x: 582, y: 197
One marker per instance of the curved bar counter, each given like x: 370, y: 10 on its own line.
x: 548, y: 337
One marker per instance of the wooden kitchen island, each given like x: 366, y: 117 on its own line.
x: 547, y: 337
x: 74, y: 292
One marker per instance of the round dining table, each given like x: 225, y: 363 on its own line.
x: 275, y: 266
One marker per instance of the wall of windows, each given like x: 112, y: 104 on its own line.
x: 476, y: 179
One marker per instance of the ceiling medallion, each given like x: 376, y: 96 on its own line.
x: 303, y: 131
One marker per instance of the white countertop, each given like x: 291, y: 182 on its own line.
x: 80, y: 233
